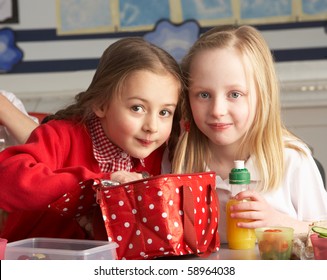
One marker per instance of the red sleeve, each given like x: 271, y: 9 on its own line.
x: 57, y: 156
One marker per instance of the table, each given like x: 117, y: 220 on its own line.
x: 228, y: 254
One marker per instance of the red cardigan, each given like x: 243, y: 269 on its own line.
x: 55, y: 159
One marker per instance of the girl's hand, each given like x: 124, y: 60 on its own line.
x: 125, y: 176
x: 256, y: 209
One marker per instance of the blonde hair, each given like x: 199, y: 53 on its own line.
x: 265, y: 138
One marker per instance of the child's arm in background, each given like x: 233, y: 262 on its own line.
x: 18, y: 124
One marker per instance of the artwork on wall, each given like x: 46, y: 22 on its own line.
x: 84, y: 16
x: 8, y: 11
x: 102, y: 16
x: 174, y: 25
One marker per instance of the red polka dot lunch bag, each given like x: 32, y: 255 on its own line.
x: 165, y: 215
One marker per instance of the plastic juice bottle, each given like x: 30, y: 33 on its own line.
x: 238, y: 238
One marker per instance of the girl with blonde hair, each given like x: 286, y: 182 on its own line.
x: 231, y: 111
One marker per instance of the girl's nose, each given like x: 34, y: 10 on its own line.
x: 150, y: 124
x: 219, y: 107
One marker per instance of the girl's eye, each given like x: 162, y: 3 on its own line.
x: 234, y: 94
x: 137, y: 108
x: 204, y: 95
x: 165, y: 113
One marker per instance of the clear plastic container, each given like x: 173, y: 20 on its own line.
x: 3, y: 245
x: 60, y: 249
x: 319, y: 245
x: 275, y: 243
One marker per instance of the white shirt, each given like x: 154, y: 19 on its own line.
x: 301, y: 193
x: 4, y: 133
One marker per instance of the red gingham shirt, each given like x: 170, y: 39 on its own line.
x: 110, y: 157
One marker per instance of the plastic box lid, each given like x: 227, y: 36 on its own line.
x: 60, y: 249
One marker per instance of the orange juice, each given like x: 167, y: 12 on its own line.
x: 238, y: 238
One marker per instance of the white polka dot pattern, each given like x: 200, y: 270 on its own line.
x: 146, y: 218
x: 77, y: 202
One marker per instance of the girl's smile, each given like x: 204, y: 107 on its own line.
x: 145, y: 143
x: 220, y: 126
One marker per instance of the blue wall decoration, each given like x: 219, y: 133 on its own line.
x: 10, y: 54
x: 174, y: 38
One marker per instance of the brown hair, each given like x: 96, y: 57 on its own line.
x: 118, y: 61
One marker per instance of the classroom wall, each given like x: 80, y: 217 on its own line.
x: 303, y: 81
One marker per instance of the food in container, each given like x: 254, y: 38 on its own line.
x: 275, y: 243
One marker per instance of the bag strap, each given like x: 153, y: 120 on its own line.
x: 188, y: 208
x: 213, y: 244
x: 189, y: 229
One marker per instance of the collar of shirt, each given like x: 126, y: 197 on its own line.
x: 110, y: 157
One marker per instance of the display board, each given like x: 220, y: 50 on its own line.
x: 97, y: 16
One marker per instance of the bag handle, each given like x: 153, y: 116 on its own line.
x: 189, y: 229
x: 188, y: 208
